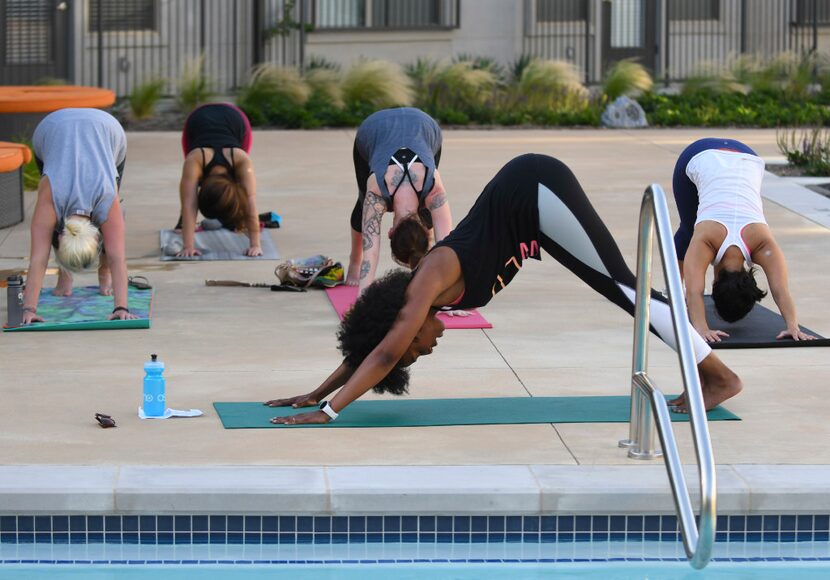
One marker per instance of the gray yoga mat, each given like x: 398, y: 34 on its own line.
x: 218, y: 244
x: 757, y: 330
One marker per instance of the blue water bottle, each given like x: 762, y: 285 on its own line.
x: 154, y: 400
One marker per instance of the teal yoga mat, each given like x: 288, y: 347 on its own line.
x: 443, y: 412
x: 86, y: 309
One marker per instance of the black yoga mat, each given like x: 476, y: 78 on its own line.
x: 757, y: 330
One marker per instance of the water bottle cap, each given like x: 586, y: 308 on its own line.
x: 153, y: 357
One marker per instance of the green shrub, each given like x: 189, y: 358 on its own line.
x: 378, y: 84
x: 787, y: 72
x: 626, y: 77
x: 274, y: 95
x: 551, y: 84
x: 194, y: 85
x: 708, y: 79
x: 144, y: 98
x: 422, y: 73
x: 808, y: 149
x: 324, y: 84
x: 459, y: 91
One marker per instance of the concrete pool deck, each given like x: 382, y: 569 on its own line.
x: 551, y: 334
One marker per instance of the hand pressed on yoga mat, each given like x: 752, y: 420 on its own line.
x: 533, y: 203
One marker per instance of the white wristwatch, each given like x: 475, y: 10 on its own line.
x: 326, y: 408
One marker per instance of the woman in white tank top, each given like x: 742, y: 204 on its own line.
x: 717, y: 188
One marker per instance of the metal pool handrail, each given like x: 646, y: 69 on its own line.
x: 647, y: 399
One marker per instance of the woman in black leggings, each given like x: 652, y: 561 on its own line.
x: 533, y: 202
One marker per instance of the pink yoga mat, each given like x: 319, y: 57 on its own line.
x: 342, y: 298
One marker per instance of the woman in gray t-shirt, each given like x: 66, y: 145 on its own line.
x: 396, y: 155
x: 81, y: 155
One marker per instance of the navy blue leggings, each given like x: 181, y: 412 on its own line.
x: 685, y: 192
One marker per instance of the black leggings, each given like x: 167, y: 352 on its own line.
x: 574, y: 234
x: 362, y: 173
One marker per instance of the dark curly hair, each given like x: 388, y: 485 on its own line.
x: 367, y: 323
x: 735, y: 294
x: 410, y: 241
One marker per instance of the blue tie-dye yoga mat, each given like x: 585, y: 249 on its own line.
x: 86, y: 309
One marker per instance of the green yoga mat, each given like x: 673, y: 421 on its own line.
x: 442, y: 412
x: 86, y: 309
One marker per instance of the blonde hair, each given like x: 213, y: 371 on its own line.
x: 78, y: 246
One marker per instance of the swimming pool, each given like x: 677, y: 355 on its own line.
x: 403, y: 546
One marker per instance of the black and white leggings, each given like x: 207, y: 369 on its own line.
x: 573, y: 233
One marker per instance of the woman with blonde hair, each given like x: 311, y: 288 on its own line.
x: 81, y: 155
x: 218, y: 175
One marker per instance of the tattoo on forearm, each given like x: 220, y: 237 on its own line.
x: 437, y: 201
x: 365, y: 266
x: 373, y: 210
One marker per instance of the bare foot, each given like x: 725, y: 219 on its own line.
x: 717, y: 382
x: 353, y: 277
x: 64, y: 286
x: 104, y: 281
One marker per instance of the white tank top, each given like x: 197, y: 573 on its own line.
x: 729, y: 192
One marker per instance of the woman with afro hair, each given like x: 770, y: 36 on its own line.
x: 717, y: 188
x: 533, y: 203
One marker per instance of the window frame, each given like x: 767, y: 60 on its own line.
x: 584, y: 12
x: 368, y: 17
x: 714, y: 10
x: 91, y: 24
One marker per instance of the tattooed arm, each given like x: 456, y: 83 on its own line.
x: 439, y: 209
x: 373, y: 209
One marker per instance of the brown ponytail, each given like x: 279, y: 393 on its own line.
x: 222, y: 197
x: 410, y: 241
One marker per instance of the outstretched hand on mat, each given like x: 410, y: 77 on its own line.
x: 188, y: 253
x: 310, y: 418
x: 297, y: 402
x: 253, y: 251
x: 795, y: 334
x: 122, y: 315
x: 710, y: 335
x: 30, y: 317
x: 457, y: 313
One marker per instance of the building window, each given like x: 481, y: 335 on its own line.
x: 694, y: 9
x: 122, y: 15
x: 385, y: 14
x: 28, y: 32
x: 805, y: 13
x: 561, y: 10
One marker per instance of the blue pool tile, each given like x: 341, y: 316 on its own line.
x: 8, y: 537
x: 322, y: 524
x: 443, y: 538
x: 304, y: 538
x: 737, y: 523
x: 409, y: 524
x: 461, y: 524
x: 651, y: 524
x: 599, y: 523
x: 426, y: 523
x: 145, y: 524
x: 719, y: 536
x: 128, y: 523
x: 821, y: 523
x: 288, y: 524
x: 496, y: 537
x: 374, y: 538
x: 530, y: 524
x: 8, y: 524
x: 94, y: 537
x: 339, y: 524
x: 322, y: 538
x: 497, y: 523
x: 77, y: 524
x: 582, y: 523
x: 181, y: 524
x: 604, y: 536
x: 374, y: 524
x: 43, y: 524
x: 182, y: 538
x: 722, y: 524
x: 165, y: 523
x: 25, y: 524
x: 339, y: 538
x: 409, y: 537
x: 754, y: 536
x: 201, y: 537
x: 216, y: 537
x: 391, y: 524
x: 426, y: 538
x: 357, y: 524
x: 617, y: 523
x: 112, y: 523
x: 772, y: 523
x: 513, y: 537
x: 478, y: 538
x: 392, y: 537
x: 270, y: 538
x: 786, y: 537
x: 253, y: 537
x: 754, y: 523
x: 582, y: 537
x: 237, y: 538
x: 668, y: 523
x: 513, y: 524
x: 804, y: 523
x: 565, y: 536
x: 305, y: 524
x: 60, y: 523
x: 199, y: 524
x: 444, y: 524
x: 357, y: 537
x: 821, y: 536
x: 547, y: 537
x: 43, y: 538
x: 270, y: 524
x: 634, y: 523
x: 565, y: 524
x: 287, y: 538
x: 236, y: 524
x: 461, y: 538
x: 112, y: 537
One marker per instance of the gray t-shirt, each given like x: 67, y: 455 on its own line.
x: 80, y: 150
x: 386, y: 131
